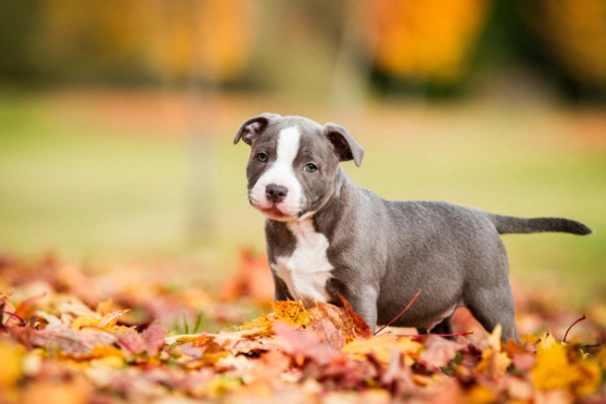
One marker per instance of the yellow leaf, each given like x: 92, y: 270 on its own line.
x: 107, y: 351
x: 554, y: 371
x: 529, y: 339
x: 259, y: 326
x: 219, y: 385
x: 481, y: 394
x: 107, y: 322
x: 383, y: 346
x: 85, y: 321
x: 494, y: 362
x: 287, y: 311
x: 291, y: 312
x: 10, y: 370
x: 104, y: 307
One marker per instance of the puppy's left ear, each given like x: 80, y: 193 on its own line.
x: 344, y: 144
x: 253, y: 127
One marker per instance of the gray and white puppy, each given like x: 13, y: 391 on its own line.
x: 326, y: 235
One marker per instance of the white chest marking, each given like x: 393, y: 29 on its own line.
x: 282, y: 173
x: 307, y: 269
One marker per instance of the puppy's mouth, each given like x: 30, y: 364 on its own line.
x: 273, y: 212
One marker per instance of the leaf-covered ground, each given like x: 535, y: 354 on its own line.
x: 69, y: 335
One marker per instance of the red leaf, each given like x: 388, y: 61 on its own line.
x: 154, y: 337
x: 440, y: 351
x: 298, y: 344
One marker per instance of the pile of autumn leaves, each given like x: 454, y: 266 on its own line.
x: 70, y: 338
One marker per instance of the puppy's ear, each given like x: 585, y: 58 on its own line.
x: 345, y: 146
x: 253, y: 127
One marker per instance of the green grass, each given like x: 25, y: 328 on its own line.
x: 68, y: 185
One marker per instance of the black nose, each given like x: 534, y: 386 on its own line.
x: 275, y: 193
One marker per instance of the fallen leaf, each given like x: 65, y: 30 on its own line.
x: 354, y: 322
x: 382, y: 346
x: 397, y: 377
x: 154, y: 337
x: 10, y: 370
x: 553, y: 370
x: 342, y: 320
x: 300, y: 345
x: 326, y: 332
x: 291, y: 312
x: 494, y: 363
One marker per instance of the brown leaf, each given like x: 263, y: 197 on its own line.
x: 326, y: 332
x: 342, y: 319
x: 358, y: 325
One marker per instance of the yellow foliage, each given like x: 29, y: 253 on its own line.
x: 425, y: 39
x: 220, y: 385
x: 383, y: 346
x: 481, y: 394
x: 109, y: 353
x: 291, y: 312
x: 554, y: 370
x: 105, y: 307
x: 494, y: 362
x: 10, y: 369
x: 259, y: 326
x: 107, y: 322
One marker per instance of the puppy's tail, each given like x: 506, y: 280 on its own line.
x: 510, y: 224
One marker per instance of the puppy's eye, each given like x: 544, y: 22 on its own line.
x: 262, y: 157
x: 310, y: 168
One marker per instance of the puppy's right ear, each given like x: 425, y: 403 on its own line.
x: 253, y: 127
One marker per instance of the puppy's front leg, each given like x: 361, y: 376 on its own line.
x: 280, y: 289
x: 363, y: 299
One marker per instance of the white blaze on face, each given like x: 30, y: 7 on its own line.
x: 281, y: 173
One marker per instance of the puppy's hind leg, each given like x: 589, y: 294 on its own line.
x: 492, y: 306
x: 445, y: 327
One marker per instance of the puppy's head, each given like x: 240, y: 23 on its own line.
x: 293, y: 163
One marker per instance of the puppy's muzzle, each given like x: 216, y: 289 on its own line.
x: 275, y: 193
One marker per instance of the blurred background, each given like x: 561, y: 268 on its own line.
x: 117, y: 119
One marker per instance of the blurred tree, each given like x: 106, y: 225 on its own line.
x: 16, y: 48
x: 425, y: 40
x: 133, y: 40
x: 215, y: 33
x: 573, y: 35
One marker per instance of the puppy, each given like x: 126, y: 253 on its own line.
x: 327, y: 236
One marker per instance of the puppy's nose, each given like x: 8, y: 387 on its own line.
x: 275, y: 193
